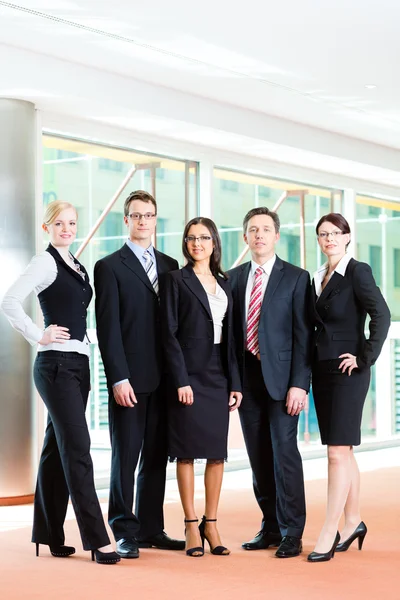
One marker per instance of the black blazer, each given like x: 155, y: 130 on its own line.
x: 340, y: 312
x: 284, y: 331
x: 128, y: 318
x: 188, y: 330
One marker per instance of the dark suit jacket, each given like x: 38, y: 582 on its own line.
x: 340, y: 312
x: 188, y: 330
x: 128, y: 318
x: 284, y: 331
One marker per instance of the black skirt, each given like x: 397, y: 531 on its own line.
x: 339, y: 401
x: 201, y: 429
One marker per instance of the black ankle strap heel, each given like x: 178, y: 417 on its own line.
x: 198, y: 550
x: 218, y: 550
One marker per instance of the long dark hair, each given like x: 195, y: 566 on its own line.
x: 215, y: 258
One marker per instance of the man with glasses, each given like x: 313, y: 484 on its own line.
x: 127, y: 285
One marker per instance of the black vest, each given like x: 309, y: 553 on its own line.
x: 65, y: 301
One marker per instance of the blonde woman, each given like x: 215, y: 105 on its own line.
x: 62, y: 378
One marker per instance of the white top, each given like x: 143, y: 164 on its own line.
x: 319, y: 275
x: 266, y: 268
x: 38, y: 275
x: 218, y: 305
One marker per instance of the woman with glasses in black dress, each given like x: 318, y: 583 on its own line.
x: 345, y: 292
x: 199, y: 347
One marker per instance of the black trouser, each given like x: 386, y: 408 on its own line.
x: 139, y: 431
x: 270, y: 435
x: 63, y: 381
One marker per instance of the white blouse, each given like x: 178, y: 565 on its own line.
x: 38, y: 275
x: 218, y: 305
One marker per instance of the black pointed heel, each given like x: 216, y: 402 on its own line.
x: 105, y: 558
x: 324, y: 556
x: 198, y: 550
x: 58, y: 551
x: 218, y: 550
x: 359, y: 533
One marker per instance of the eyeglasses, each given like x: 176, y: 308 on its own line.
x: 201, y: 238
x: 138, y: 216
x: 324, y: 234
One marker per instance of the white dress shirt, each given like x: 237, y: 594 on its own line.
x: 218, y: 306
x: 38, y: 275
x: 266, y: 268
x: 320, y: 274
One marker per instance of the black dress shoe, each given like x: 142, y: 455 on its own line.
x: 324, y: 556
x: 163, y: 542
x: 128, y: 548
x: 263, y: 540
x: 289, y: 546
x: 360, y: 532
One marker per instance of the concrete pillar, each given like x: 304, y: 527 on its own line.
x: 17, y: 246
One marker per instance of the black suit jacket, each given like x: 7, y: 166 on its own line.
x: 188, y: 330
x: 284, y: 331
x: 128, y: 318
x: 340, y: 312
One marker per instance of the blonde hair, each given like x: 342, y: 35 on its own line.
x: 53, y: 210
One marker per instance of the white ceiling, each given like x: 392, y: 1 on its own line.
x: 306, y: 61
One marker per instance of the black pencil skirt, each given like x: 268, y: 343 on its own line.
x: 201, y: 429
x: 339, y: 401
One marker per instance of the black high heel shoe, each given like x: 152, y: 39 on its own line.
x: 197, y: 550
x: 360, y: 532
x: 105, y: 558
x: 324, y: 556
x: 218, y: 550
x: 59, y: 551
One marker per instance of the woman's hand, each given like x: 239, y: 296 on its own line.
x: 235, y: 399
x: 185, y: 395
x: 54, y: 333
x: 349, y: 362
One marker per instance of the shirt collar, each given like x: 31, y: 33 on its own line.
x: 266, y: 267
x: 340, y: 268
x: 139, y: 250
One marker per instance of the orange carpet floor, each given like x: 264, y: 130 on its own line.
x: 373, y: 573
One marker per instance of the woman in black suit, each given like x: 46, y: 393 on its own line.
x: 198, y: 340
x: 62, y: 378
x: 344, y: 293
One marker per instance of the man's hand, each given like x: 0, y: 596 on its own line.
x: 124, y: 395
x: 235, y: 399
x: 185, y: 395
x: 295, y: 400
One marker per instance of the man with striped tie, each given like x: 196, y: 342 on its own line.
x: 128, y: 284
x: 273, y: 338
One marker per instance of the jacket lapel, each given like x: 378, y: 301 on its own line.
x: 193, y: 283
x: 162, y: 265
x: 273, y: 282
x: 332, y: 287
x: 242, y: 284
x: 131, y: 261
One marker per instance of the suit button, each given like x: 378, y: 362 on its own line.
x: 84, y: 289
x: 326, y: 306
x: 316, y: 328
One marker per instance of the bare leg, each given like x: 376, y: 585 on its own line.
x: 185, y: 476
x: 213, y: 475
x: 339, y: 480
x: 352, y: 507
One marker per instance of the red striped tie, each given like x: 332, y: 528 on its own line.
x: 253, y: 316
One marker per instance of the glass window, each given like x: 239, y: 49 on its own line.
x: 377, y: 227
x: 396, y: 267
x: 97, y: 174
x: 236, y: 193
